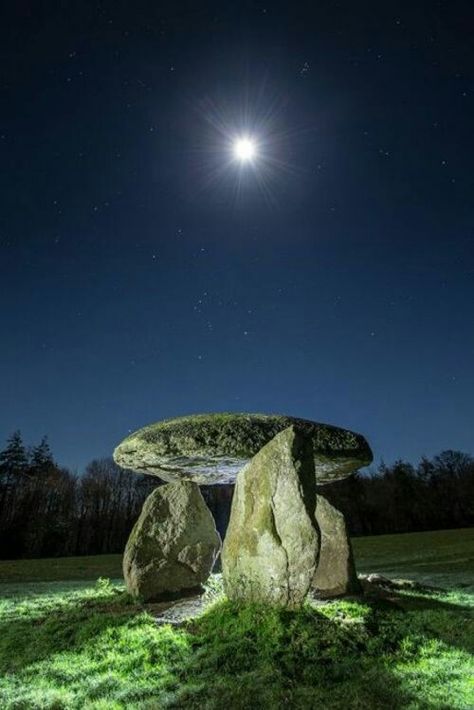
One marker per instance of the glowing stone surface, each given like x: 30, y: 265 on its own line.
x: 212, y: 448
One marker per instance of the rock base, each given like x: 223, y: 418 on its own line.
x: 173, y: 545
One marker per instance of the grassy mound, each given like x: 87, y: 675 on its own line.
x: 95, y: 648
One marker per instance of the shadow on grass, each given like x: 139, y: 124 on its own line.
x: 416, y: 597
x: 414, y: 602
x: 24, y: 641
x: 257, y: 657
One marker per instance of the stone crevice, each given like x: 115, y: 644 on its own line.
x: 286, y: 576
x: 271, y: 546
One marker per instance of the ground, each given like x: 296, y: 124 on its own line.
x: 68, y: 641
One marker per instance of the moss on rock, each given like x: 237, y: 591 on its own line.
x: 271, y: 547
x: 212, y: 448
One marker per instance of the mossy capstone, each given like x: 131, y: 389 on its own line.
x: 213, y: 448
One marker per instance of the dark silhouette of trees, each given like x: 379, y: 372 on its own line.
x: 436, y: 494
x: 14, y: 471
x: 13, y: 466
x: 109, y: 501
x: 47, y: 511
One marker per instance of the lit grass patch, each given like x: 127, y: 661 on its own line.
x: 78, y: 644
x: 343, y: 654
x: 96, y: 648
x: 88, y: 647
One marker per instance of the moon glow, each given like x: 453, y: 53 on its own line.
x: 244, y: 149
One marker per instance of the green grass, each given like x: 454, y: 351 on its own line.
x: 59, y: 569
x: 442, y: 558
x: 93, y: 648
x: 79, y: 644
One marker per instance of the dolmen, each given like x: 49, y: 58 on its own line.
x: 284, y: 539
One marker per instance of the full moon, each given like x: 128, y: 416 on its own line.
x: 245, y: 149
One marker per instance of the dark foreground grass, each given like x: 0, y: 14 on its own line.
x: 94, y: 648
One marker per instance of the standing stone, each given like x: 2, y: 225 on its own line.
x: 272, y: 543
x: 335, y: 574
x: 173, y: 545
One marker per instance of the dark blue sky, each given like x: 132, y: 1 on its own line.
x: 135, y: 287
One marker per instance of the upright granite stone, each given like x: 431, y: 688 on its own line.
x: 271, y: 547
x: 335, y: 574
x: 173, y: 545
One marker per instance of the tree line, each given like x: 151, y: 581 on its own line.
x: 48, y: 511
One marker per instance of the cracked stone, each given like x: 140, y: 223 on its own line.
x: 271, y: 548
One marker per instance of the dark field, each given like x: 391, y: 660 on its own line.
x: 441, y: 557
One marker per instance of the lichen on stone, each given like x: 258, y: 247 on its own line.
x: 173, y: 545
x: 212, y: 448
x: 271, y: 547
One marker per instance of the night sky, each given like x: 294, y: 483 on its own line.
x: 145, y: 274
